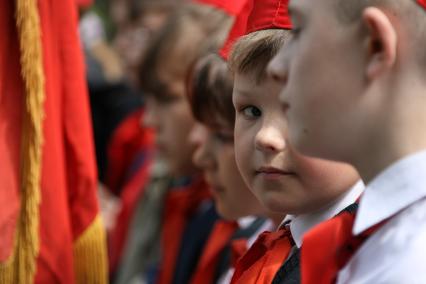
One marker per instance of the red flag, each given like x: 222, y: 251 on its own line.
x: 43, y: 77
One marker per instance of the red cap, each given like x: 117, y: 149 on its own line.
x: 232, y: 7
x: 422, y: 3
x: 238, y: 29
x: 269, y: 14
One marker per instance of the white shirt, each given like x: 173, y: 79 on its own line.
x: 301, y: 224
x: 396, y: 253
x: 91, y: 30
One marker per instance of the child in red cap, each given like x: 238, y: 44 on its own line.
x: 309, y: 189
x: 354, y: 91
x: 209, y: 91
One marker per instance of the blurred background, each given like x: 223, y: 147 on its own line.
x: 114, y: 35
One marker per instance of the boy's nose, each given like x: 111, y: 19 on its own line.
x: 148, y: 118
x: 269, y: 139
x: 199, y: 138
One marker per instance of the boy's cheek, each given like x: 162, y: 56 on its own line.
x: 242, y: 158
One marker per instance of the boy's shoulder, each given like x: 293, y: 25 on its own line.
x: 396, y: 253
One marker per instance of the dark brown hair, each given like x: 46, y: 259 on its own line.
x: 209, y: 90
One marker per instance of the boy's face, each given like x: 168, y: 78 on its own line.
x: 282, y: 179
x: 321, y: 69
x: 170, y: 116
x: 215, y: 155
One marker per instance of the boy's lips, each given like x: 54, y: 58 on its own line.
x: 272, y: 172
x: 214, y: 187
x: 216, y: 190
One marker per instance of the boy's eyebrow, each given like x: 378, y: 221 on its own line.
x: 242, y: 93
x: 160, y: 92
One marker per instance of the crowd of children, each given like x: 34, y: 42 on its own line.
x: 280, y: 141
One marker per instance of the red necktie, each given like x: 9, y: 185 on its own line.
x: 238, y: 250
x: 264, y: 258
x: 328, y: 247
x: 180, y: 205
x: 422, y: 3
x: 219, y: 238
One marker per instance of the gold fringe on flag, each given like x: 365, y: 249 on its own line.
x: 90, y: 258
x: 21, y: 267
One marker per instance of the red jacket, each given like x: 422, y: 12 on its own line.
x: 180, y: 205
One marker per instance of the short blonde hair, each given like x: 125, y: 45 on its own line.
x: 252, y: 53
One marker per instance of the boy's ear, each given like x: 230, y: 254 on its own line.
x: 381, y: 43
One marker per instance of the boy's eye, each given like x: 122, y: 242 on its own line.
x: 295, y: 32
x: 168, y: 99
x: 251, y: 112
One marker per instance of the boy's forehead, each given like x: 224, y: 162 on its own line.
x: 247, y: 84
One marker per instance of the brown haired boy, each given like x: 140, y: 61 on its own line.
x: 188, y: 212
x: 244, y: 218
x: 354, y: 91
x: 311, y: 190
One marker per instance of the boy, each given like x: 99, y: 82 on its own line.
x: 210, y: 96
x: 371, y: 117
x: 188, y: 214
x: 312, y: 190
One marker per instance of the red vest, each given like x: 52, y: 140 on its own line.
x: 329, y: 246
x: 180, y: 206
x: 321, y: 247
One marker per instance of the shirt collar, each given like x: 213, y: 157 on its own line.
x: 300, y: 224
x: 245, y: 222
x: 394, y: 189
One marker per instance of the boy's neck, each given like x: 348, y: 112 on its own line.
x: 375, y: 163
x: 402, y: 133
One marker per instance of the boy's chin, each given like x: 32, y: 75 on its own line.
x: 272, y: 203
x: 179, y: 170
